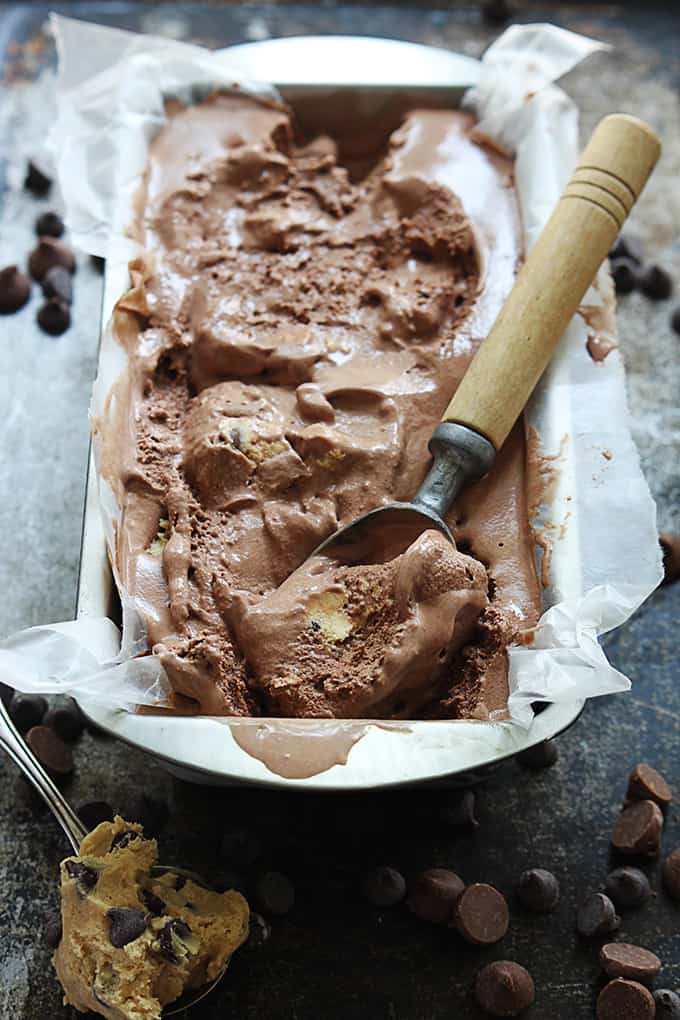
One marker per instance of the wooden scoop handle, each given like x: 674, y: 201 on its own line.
x: 607, y: 182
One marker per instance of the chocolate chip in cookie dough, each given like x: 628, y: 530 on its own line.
x: 26, y: 710
x: 274, y: 893
x: 655, y: 283
x: 124, y: 838
x: 620, y: 959
x: 54, y: 317
x: 154, y: 904
x: 540, y: 756
x: 504, y: 988
x: 15, y: 290
x: 670, y: 549
x: 53, y: 929
x: 384, y: 887
x: 93, y: 812
x: 460, y: 812
x: 538, y: 890
x: 127, y: 924
x: 596, y: 917
x: 625, y: 275
x: 259, y: 931
x: 625, y: 1000
x: 627, y: 887
x: 53, y: 754
x: 645, y: 783
x: 667, y: 1004
x: 49, y: 224
x: 671, y: 874
x: 83, y: 875
x: 47, y: 253
x: 638, y: 829
x: 481, y: 915
x: 58, y: 283
x: 434, y: 894
x: 36, y: 181
x: 175, y: 930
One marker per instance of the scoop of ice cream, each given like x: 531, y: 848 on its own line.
x: 362, y: 640
x: 132, y: 940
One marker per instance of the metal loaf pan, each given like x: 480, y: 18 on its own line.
x: 365, y: 81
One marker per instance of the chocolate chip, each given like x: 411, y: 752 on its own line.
x: 240, y: 848
x: 127, y: 924
x: 26, y: 710
x: 53, y: 754
x: 15, y: 290
x: 638, y: 829
x: 538, y: 890
x: 596, y: 917
x: 93, y: 812
x: 151, y: 812
x: 625, y: 275
x: 58, y: 283
x: 504, y: 988
x: 36, y: 181
x: 460, y: 813
x: 496, y: 12
x: 671, y: 874
x: 620, y: 959
x: 540, y: 756
x: 53, y: 929
x: 670, y: 548
x: 628, y: 248
x: 625, y: 1000
x: 434, y: 894
x: 274, y: 893
x: 259, y: 931
x: 645, y: 783
x: 675, y: 320
x: 667, y: 1004
x: 123, y: 839
x: 175, y: 930
x: 49, y: 224
x: 154, y: 904
x: 627, y: 887
x: 54, y: 317
x: 48, y: 253
x: 83, y: 875
x: 655, y: 283
x: 481, y: 915
x: 66, y: 719
x: 384, y: 887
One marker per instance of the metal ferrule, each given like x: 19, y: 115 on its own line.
x: 460, y: 455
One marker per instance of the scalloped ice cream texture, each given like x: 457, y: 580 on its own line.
x: 293, y: 336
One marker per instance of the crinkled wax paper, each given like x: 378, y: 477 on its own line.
x: 598, y: 518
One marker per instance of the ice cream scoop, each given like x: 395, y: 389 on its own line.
x: 606, y: 183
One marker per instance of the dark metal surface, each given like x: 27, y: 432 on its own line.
x: 334, y: 956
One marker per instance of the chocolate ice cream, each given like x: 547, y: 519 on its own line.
x: 293, y: 336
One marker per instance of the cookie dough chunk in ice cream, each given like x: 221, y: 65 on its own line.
x: 133, y: 941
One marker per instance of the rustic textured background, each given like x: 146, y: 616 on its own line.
x: 334, y: 956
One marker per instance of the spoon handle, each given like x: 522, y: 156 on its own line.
x: 606, y: 183
x: 21, y: 755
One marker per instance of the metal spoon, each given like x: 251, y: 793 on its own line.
x: 21, y: 755
x: 562, y: 264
